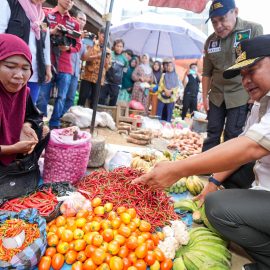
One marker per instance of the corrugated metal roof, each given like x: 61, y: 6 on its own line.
x: 98, y: 5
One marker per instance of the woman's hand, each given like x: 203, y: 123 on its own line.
x: 24, y: 147
x: 210, y: 187
x: 28, y: 134
x: 45, y: 131
x: 48, y: 75
x: 162, y: 176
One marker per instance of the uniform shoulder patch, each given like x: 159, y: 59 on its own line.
x: 241, y: 35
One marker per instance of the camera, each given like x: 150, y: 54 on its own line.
x: 89, y: 39
x: 66, y: 37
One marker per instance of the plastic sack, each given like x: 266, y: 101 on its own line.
x: 66, y: 159
x: 30, y: 256
x: 120, y: 159
x: 136, y: 105
x: 73, y: 203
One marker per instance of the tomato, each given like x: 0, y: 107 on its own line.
x: 89, y: 250
x: 141, y: 240
x: 99, y: 211
x: 62, y: 247
x: 60, y: 221
x: 96, y: 202
x: 137, y: 221
x: 132, y: 257
x: 98, y: 256
x: 125, y: 217
x: 140, y: 265
x: 132, y: 242
x: 155, y: 238
x: 126, y: 263
x: 150, y: 244
x: 82, y: 213
x: 146, y: 235
x: 81, y: 256
x: 59, y: 231
x: 141, y: 251
x: 120, y: 209
x: 77, y: 266
x: 78, y: 234
x: 87, y: 227
x: 50, y: 251
x: 113, y: 247
x: 167, y: 264
x: 80, y: 222
x: 107, y: 235
x: 97, y: 218
x: 159, y: 255
x: 71, y: 224
x: 120, y: 239
x: 97, y: 240
x: 105, y: 224
x: 132, y: 212
x: 88, y: 237
x: 51, y: 223
x: 116, y: 263
x: 103, y: 266
x: 132, y: 268
x: 52, y: 240
x: 67, y: 236
x: 95, y: 226
x: 45, y: 263
x: 123, y: 252
x: 132, y: 225
x: 155, y: 266
x: 71, y: 257
x: 150, y: 258
x: 145, y: 226
x: 89, y: 265
x: 108, y: 207
x: 104, y: 246
x: 107, y: 258
x: 160, y: 236
x: 124, y: 230
x: 58, y: 261
x: 79, y: 244
x: 112, y: 215
x: 116, y: 223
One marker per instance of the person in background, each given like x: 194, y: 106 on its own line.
x: 110, y: 90
x: 157, y: 72
x: 142, y: 75
x: 24, y: 18
x: 227, y: 99
x: 21, y: 126
x: 168, y: 92
x: 92, y: 56
x: 165, y: 64
x: 128, y: 54
x: 76, y: 65
x: 127, y: 82
x: 58, y: 19
x: 232, y: 212
x: 191, y: 83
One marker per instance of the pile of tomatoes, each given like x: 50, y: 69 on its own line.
x: 103, y: 239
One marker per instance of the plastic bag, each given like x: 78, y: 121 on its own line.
x: 136, y: 105
x: 120, y: 159
x: 73, y: 203
x: 30, y: 256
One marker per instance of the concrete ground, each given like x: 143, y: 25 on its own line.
x: 239, y: 257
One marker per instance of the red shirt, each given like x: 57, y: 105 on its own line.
x: 54, y: 17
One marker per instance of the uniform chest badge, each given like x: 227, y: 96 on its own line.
x: 241, y: 35
x: 214, y: 46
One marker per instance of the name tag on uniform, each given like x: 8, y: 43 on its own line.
x: 241, y: 35
x: 214, y: 46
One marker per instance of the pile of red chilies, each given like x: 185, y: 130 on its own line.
x: 44, y: 201
x: 115, y: 187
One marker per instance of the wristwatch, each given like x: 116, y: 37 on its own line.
x: 213, y: 180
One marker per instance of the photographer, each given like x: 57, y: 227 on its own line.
x: 64, y: 41
x: 76, y: 64
x: 92, y: 57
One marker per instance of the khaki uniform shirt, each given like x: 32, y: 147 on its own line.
x: 219, y: 55
x: 258, y: 129
x: 91, y: 68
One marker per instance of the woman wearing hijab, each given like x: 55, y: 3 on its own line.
x: 168, y: 92
x: 142, y: 76
x: 127, y: 82
x: 21, y: 130
x: 24, y: 19
x: 157, y: 72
